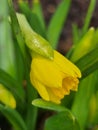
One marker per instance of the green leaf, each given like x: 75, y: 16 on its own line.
x: 13, y: 86
x: 31, y: 115
x: 88, y: 63
x: 48, y: 105
x: 16, y: 29
x: 32, y: 18
x: 75, y: 32
x: 62, y: 121
x: 93, y: 108
x: 76, y: 38
x: 84, y: 45
x: 88, y: 16
x: 19, y: 60
x: 13, y: 117
x: 80, y: 107
x: 37, y: 9
x: 7, y: 54
x: 18, y: 34
x: 95, y: 39
x: 57, y: 22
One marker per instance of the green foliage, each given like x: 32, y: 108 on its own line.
x: 7, y: 54
x: 88, y: 16
x: 81, y: 103
x: 62, y: 120
x: 14, y: 117
x: 47, y: 105
x: 57, y: 22
x: 82, y: 108
x: 91, y: 63
x: 34, y: 17
x: 12, y: 85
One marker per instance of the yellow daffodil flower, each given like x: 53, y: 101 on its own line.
x: 54, y: 78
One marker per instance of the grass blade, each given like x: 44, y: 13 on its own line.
x: 37, y: 9
x: 88, y: 16
x: 57, y: 22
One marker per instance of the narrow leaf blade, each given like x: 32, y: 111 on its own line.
x: 57, y: 22
x: 88, y: 63
x: 32, y: 18
x: 37, y: 9
x: 48, y: 105
x: 88, y: 16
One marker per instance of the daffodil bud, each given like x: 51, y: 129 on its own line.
x: 35, y: 42
x: 6, y: 97
x: 85, y: 45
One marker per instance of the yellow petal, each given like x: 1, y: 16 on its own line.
x: 40, y: 88
x: 53, y: 97
x: 46, y: 72
x: 58, y: 92
x: 70, y: 83
x: 66, y: 66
